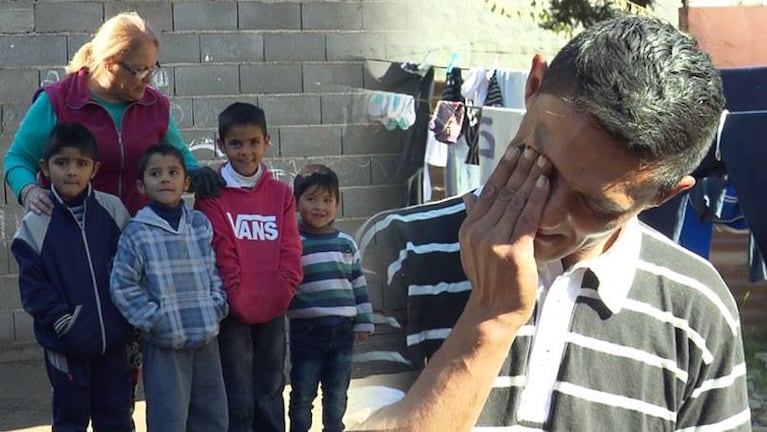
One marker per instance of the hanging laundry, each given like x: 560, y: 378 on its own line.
x: 494, y: 96
x: 475, y: 86
x: 447, y: 121
x: 393, y: 110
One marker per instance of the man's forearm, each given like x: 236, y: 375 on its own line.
x: 451, y: 391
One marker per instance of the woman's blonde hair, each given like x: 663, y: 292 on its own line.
x: 120, y: 34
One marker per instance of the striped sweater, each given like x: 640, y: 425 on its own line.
x: 333, y: 283
x: 669, y: 358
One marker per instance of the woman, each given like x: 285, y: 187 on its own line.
x: 107, y: 90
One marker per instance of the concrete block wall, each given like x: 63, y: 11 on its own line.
x: 303, y: 61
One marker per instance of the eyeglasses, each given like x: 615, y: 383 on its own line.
x: 139, y: 74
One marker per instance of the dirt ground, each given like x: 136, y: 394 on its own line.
x: 25, y: 399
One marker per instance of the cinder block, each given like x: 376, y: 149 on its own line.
x: 231, y: 47
x: 207, y: 80
x: 384, y: 16
x: 206, y: 110
x: 368, y: 200
x: 179, y: 48
x: 23, y: 330
x: 182, y: 111
x: 384, y: 169
x: 351, y: 171
x: 33, y: 50
x: 13, y: 113
x: 350, y: 226
x: 201, y: 142
x: 284, y: 169
x: 49, y: 76
x: 356, y: 45
x: 74, y: 42
x: 68, y: 16
x: 164, y: 80
x: 159, y: 15
x: 291, y: 110
x: 205, y: 15
x: 332, y: 77
x: 17, y: 18
x: 353, y: 108
x: 336, y: 108
x: 9, y: 292
x: 332, y: 16
x: 18, y: 84
x: 294, y: 47
x: 310, y: 141
x: 6, y: 326
x: 269, y: 16
x: 271, y: 78
x: 372, y: 139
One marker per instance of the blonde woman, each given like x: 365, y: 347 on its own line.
x: 108, y: 89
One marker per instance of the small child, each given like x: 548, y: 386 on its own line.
x: 64, y: 264
x: 166, y: 284
x: 259, y: 256
x: 330, y: 311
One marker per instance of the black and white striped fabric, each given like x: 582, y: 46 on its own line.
x: 670, y: 358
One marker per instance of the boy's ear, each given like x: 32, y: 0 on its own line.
x: 96, y: 166
x: 187, y: 182
x: 140, y: 187
x: 44, y: 168
x: 268, y: 140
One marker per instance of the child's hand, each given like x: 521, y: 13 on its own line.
x: 360, y: 337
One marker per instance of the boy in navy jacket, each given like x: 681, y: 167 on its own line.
x: 64, y: 263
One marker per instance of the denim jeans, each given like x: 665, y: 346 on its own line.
x: 184, y: 389
x: 319, y: 354
x: 253, y: 360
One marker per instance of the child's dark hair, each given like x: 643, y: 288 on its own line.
x: 73, y: 135
x: 238, y: 114
x: 159, y: 149
x: 316, y: 175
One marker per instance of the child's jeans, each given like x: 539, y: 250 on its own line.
x: 91, y: 388
x: 320, y: 352
x: 184, y: 389
x: 253, y: 359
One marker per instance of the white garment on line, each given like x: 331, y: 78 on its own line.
x: 512, y: 84
x: 497, y: 127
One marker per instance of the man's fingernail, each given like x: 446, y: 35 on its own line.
x: 528, y: 154
x: 541, y: 182
x: 541, y: 162
x: 511, y: 152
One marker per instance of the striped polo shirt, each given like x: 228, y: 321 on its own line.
x: 650, y: 341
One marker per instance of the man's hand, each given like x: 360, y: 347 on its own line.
x: 497, y: 239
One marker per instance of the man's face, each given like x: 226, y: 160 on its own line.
x: 595, y: 186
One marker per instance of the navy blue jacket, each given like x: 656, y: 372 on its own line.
x: 64, y: 275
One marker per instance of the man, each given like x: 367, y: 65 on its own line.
x: 577, y: 317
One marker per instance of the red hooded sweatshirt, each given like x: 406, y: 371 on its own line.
x: 258, y: 248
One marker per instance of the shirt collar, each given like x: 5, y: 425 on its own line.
x: 614, y: 269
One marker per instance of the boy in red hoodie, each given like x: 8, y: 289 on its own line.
x: 258, y: 252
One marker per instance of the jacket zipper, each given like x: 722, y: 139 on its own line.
x: 93, y: 278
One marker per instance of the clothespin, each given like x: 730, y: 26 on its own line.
x: 496, y: 62
x: 452, y: 62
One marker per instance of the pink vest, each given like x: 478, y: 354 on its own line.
x: 144, y: 123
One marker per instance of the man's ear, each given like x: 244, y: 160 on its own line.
x: 140, y: 187
x: 44, y: 168
x: 535, y: 78
x: 684, y: 184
